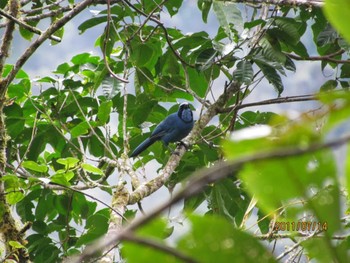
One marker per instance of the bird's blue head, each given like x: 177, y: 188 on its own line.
x: 185, y: 112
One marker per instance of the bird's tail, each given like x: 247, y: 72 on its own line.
x: 143, y: 146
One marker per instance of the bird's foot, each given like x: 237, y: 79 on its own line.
x: 183, y: 144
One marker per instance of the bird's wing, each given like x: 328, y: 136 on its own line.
x: 164, y: 127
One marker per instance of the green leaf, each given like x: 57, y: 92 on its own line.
x: 272, y: 76
x: 329, y: 85
x: 198, y: 82
x: 272, y: 50
x: 15, y: 120
x: 13, y: 198
x: 173, y: 6
x: 92, y: 22
x: 287, y: 29
x: 213, y: 239
x: 225, y: 199
x: 228, y: 15
x: 80, y: 129
x: 96, y: 225
x: 244, y: 72
x: 337, y: 11
x: 104, y: 111
x: 31, y: 165
x: 327, y: 36
x: 91, y: 169
x: 15, y: 244
x: 20, y: 75
x: 111, y: 86
x: 204, y: 6
x: 62, y: 178
x: 206, y: 58
x: 142, y: 54
x: 3, y: 3
x: 69, y: 162
x: 192, y: 203
x: 81, y: 58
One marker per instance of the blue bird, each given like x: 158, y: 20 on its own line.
x: 174, y: 128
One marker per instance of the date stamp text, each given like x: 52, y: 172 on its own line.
x: 300, y: 226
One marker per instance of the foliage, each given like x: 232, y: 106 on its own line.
x: 70, y: 142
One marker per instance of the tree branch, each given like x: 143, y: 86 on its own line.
x: 26, y: 26
x: 328, y: 58
x: 300, y: 98
x: 307, y: 3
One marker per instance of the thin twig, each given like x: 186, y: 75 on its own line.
x: 328, y: 58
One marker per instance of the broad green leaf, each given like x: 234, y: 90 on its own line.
x: 198, y: 82
x: 15, y: 244
x: 15, y: 121
x: 225, y: 199
x: 80, y: 129
x: 213, y: 239
x: 61, y: 178
x: 104, y: 111
x: 204, y: 6
x: 287, y: 29
x: 91, y: 169
x: 20, y: 75
x: 31, y: 165
x: 173, y: 6
x: 91, y: 23
x: 206, y: 59
x: 327, y: 36
x: 81, y: 58
x: 244, y: 72
x: 337, y: 11
x: 3, y: 3
x: 69, y: 162
x: 272, y: 50
x: 111, y: 86
x: 81, y: 208
x: 345, y: 71
x: 272, y: 76
x: 228, y: 15
x: 96, y: 226
x: 329, y: 85
x: 192, y: 203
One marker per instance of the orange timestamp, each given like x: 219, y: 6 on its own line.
x: 300, y: 226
